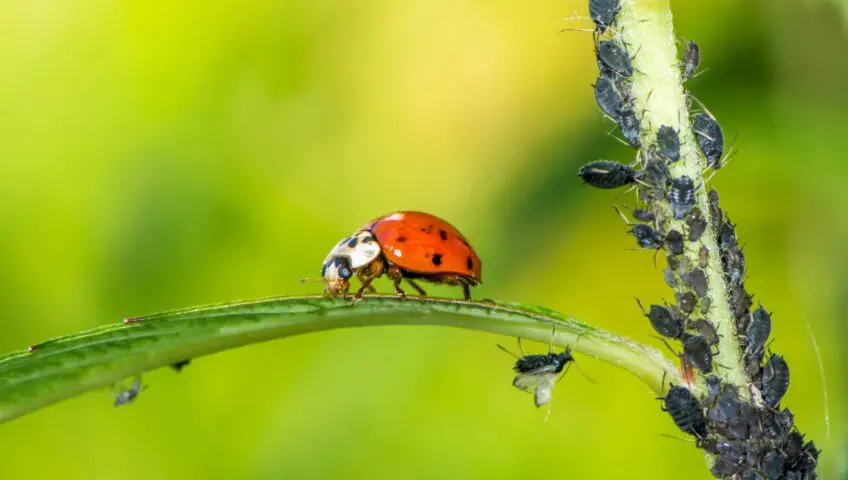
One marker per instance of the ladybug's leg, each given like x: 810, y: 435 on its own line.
x: 397, y: 276
x: 416, y: 287
x: 374, y: 272
x: 466, y: 290
x: 362, y: 278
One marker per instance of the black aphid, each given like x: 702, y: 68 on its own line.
x: 773, y: 464
x: 607, y: 96
x: 737, y: 428
x: 734, y: 265
x: 691, y: 60
x: 682, y: 197
x: 613, y: 58
x: 785, y: 420
x: 630, y: 127
x: 728, y: 404
x: 727, y: 237
x: 713, y: 384
x: 647, y: 237
x: 686, y: 411
x: 697, y: 225
x: 537, y: 373
x: 703, y: 256
x: 670, y: 277
x: 603, y: 13
x: 710, y: 138
x: 606, y: 174
x: 124, y: 396
x: 179, y: 366
x: 674, y: 240
x: 775, y: 380
x: 697, y: 279
x: 696, y: 350
x: 706, y: 303
x: 741, y: 303
x: 687, y: 302
x: 663, y: 321
x: 644, y: 215
x: 707, y: 330
x: 716, y: 215
x: 758, y: 331
x: 656, y: 171
x: 669, y: 142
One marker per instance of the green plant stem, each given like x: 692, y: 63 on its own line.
x: 63, y: 367
x: 646, y: 27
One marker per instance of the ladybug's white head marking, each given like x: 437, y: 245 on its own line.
x: 347, y: 257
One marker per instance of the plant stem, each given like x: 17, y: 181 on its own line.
x: 646, y: 27
x: 63, y: 367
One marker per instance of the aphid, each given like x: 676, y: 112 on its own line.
x: 404, y: 246
x: 696, y: 350
x: 686, y: 411
x: 607, y: 96
x: 707, y: 330
x: 775, y: 380
x: 663, y: 321
x: 687, y: 302
x: 785, y: 420
x: 741, y: 303
x: 537, y: 373
x: 752, y: 475
x: 655, y: 172
x: 603, y: 13
x: 716, y: 215
x: 737, y: 428
x: 697, y: 279
x: 703, y: 256
x: 773, y: 464
x: 613, y: 58
x: 727, y: 237
x: 669, y: 142
x: 179, y: 366
x: 124, y: 396
x: 713, y: 384
x: 706, y: 303
x: 682, y: 197
x: 696, y: 224
x: 606, y: 174
x: 728, y: 404
x: 758, y: 331
x: 645, y: 235
x: 691, y: 60
x: 629, y: 125
x: 644, y: 215
x: 673, y: 261
x: 734, y: 265
x: 674, y: 240
x: 728, y: 463
x: 710, y: 138
x: 670, y: 277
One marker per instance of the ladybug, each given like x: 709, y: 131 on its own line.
x: 404, y: 246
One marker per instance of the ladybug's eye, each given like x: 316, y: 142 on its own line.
x: 344, y: 273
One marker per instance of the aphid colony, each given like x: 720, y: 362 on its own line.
x: 750, y: 439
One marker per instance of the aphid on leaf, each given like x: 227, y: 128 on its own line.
x: 710, y: 138
x: 179, y: 366
x: 775, y: 380
x: 124, y: 396
x: 668, y: 140
x: 707, y: 330
x: 697, y: 279
x: 606, y: 174
x: 404, y: 246
x: 603, y: 13
x: 686, y: 411
x: 663, y: 321
x: 758, y: 331
x: 630, y: 127
x: 682, y: 197
x: 727, y: 237
x: 697, y: 225
x: 674, y: 240
x: 713, y: 384
x: 734, y: 265
x: 697, y: 351
x: 703, y: 256
x: 741, y: 303
x: 773, y: 464
x: 607, y: 96
x: 644, y: 215
x: 691, y: 60
x: 670, y: 277
x: 645, y: 235
x: 613, y: 58
x: 716, y: 215
x: 687, y: 302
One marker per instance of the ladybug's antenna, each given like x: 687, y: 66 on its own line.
x: 311, y: 280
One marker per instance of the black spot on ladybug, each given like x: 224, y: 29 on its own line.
x: 443, y: 234
x: 437, y: 259
x: 353, y: 242
x: 427, y: 229
x: 401, y: 239
x: 469, y: 263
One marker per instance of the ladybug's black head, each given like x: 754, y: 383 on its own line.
x: 336, y: 272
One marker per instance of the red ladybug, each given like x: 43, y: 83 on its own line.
x: 405, y: 246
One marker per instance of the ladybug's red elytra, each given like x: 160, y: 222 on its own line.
x: 405, y: 246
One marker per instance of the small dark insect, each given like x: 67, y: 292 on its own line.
x: 613, y: 58
x: 758, y: 331
x: 691, y: 60
x: 606, y: 174
x: 785, y: 420
x: 716, y: 215
x: 703, y: 256
x: 656, y: 171
x: 696, y: 224
x: 728, y: 464
x: 775, y: 380
x: 737, y: 428
x: 124, y: 396
x: 537, y: 373
x: 669, y: 142
x: 629, y: 125
x: 734, y: 265
x: 727, y: 237
x: 687, y: 302
x: 673, y: 261
x: 607, y: 96
x: 696, y: 350
x: 179, y: 366
x: 752, y: 475
x: 686, y: 411
x: 728, y: 404
x: 663, y: 321
x: 773, y: 464
x: 707, y: 330
x: 674, y: 240
x: 741, y: 303
x: 644, y: 215
x: 713, y: 384
x: 603, y: 13
x: 647, y: 237
x: 670, y: 277
x: 710, y: 139
x: 706, y: 303
x: 682, y: 197
x: 697, y: 279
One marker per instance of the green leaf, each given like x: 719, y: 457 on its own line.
x: 66, y: 366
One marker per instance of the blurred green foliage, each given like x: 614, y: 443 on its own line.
x: 164, y: 154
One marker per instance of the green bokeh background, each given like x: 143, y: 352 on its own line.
x: 158, y: 155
